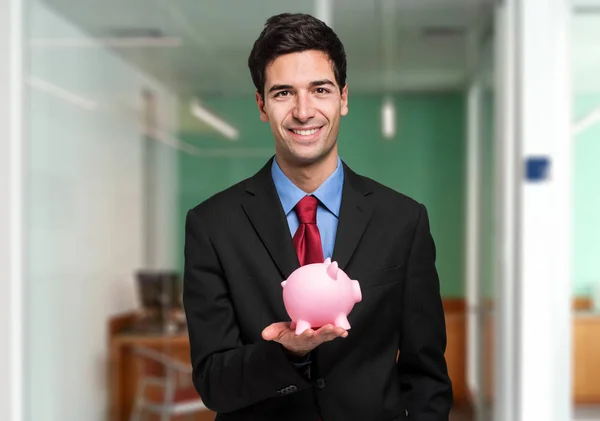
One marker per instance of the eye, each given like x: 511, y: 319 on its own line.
x: 282, y: 93
x: 322, y: 91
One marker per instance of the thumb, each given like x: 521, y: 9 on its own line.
x: 273, y: 331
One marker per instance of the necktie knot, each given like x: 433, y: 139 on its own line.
x: 306, y: 209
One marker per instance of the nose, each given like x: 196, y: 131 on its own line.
x: 303, y: 110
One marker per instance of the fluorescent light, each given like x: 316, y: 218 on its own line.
x: 61, y: 93
x: 324, y: 11
x: 209, y: 153
x: 586, y: 122
x: 203, y: 114
x: 174, y: 142
x: 388, y: 119
x: 115, y: 42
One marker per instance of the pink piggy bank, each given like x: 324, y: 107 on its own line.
x: 318, y: 294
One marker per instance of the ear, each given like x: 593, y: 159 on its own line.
x: 344, y: 101
x: 261, y: 107
x: 332, y: 271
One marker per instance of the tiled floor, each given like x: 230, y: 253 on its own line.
x: 581, y: 413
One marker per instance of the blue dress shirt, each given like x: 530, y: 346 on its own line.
x: 328, y: 210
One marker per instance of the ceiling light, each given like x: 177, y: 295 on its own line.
x: 388, y: 118
x: 203, y: 114
x: 61, y: 93
x: 324, y: 11
x: 586, y: 122
x: 98, y: 42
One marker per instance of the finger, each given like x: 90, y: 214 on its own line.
x: 317, y: 337
x: 330, y: 332
x: 275, y: 330
x: 308, y: 333
x: 326, y: 329
x: 340, y: 331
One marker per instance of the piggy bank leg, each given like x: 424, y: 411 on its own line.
x: 301, y: 326
x: 342, y: 321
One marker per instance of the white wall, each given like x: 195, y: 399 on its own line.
x: 85, y: 214
x: 10, y: 233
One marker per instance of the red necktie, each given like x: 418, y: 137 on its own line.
x: 307, y: 239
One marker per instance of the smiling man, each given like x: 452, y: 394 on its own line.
x: 304, y: 206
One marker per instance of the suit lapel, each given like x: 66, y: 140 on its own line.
x: 355, y: 214
x: 263, y: 207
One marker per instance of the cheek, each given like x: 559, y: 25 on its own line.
x: 277, y: 117
x: 277, y: 125
x: 332, y: 111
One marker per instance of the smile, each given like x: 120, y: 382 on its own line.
x: 305, y: 132
x: 306, y: 135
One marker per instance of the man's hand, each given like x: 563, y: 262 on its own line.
x: 299, y: 345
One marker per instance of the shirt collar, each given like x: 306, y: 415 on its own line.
x: 329, y: 193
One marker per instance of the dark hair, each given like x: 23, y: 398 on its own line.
x: 291, y: 33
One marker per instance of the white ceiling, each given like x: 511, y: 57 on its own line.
x: 215, y: 38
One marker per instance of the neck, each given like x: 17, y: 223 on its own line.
x: 310, y: 176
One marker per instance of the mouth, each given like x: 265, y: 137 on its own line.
x: 305, y: 134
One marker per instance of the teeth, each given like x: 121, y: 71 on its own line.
x: 306, y: 132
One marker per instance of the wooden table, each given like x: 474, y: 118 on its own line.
x: 123, y: 371
x: 586, y: 357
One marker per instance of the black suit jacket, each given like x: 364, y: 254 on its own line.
x: 238, y: 249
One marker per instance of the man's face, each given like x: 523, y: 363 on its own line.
x: 303, y: 104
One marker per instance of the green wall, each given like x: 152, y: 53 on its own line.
x: 586, y: 199
x: 425, y: 160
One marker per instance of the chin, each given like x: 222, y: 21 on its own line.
x: 308, y: 157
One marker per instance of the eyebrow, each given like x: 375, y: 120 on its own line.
x: 312, y: 85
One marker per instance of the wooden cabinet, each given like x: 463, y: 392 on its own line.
x: 456, y: 349
x: 586, y: 357
x: 585, y: 360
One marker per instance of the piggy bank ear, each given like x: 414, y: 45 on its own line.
x: 332, y: 270
x: 327, y: 261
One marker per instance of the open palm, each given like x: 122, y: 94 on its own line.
x: 284, y: 333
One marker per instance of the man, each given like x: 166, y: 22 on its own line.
x: 303, y: 206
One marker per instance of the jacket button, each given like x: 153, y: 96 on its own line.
x: 406, y: 412
x: 321, y: 383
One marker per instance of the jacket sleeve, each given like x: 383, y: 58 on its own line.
x: 421, y: 363
x: 228, y: 374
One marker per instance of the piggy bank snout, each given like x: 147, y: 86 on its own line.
x: 356, y: 292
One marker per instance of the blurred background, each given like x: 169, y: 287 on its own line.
x: 134, y: 111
